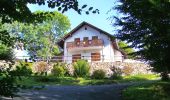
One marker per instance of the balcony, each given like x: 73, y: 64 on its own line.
x: 85, y: 45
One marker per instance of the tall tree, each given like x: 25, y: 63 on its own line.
x: 146, y: 25
x: 40, y: 38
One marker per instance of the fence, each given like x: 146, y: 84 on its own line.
x: 70, y: 58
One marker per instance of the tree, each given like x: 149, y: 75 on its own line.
x: 146, y: 25
x: 128, y: 50
x: 40, y: 38
x: 18, y: 9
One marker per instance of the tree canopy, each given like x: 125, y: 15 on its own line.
x: 40, y: 38
x: 146, y: 25
x: 18, y: 9
x: 128, y: 50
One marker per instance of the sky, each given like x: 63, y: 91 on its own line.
x: 99, y: 20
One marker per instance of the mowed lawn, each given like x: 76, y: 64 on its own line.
x: 52, y: 80
x: 160, y: 90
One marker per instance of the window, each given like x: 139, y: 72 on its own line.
x: 85, y: 38
x: 94, y: 37
x: 76, y: 57
x: 77, y: 41
x: 95, y: 57
x: 85, y: 41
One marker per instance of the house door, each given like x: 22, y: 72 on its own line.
x: 76, y: 57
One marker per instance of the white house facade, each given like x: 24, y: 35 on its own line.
x: 90, y: 43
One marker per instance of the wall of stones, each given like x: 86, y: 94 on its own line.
x: 127, y: 68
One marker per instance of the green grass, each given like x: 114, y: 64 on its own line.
x: 159, y: 90
x: 34, y: 81
x: 52, y: 80
x: 140, y: 77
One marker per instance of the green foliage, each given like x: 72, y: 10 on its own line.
x: 21, y: 12
x: 53, y: 80
x: 22, y: 70
x: 5, y: 38
x: 45, y: 79
x: 12, y: 10
x: 140, y: 78
x: 81, y: 68
x: 99, y: 74
x: 40, y: 38
x: 59, y: 70
x: 155, y: 91
x: 55, y: 51
x: 6, y: 53
x: 8, y: 77
x: 145, y: 25
x: 128, y: 50
x: 117, y: 73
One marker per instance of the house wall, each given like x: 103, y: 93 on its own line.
x: 107, y: 51
x: 118, y: 56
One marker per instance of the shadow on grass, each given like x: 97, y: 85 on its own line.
x: 153, y: 91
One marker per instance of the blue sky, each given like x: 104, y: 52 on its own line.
x: 99, y: 20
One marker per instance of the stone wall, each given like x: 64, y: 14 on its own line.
x: 127, y: 68
x: 131, y: 68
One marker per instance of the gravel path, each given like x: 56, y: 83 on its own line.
x: 101, y: 92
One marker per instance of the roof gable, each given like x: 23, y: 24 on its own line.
x: 61, y: 41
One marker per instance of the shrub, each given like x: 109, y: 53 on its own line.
x: 41, y: 67
x: 99, y: 74
x: 59, y: 70
x: 81, y: 68
x: 22, y: 70
x: 117, y: 73
x: 28, y: 64
x: 127, y: 70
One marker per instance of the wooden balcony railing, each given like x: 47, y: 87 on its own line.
x: 88, y: 43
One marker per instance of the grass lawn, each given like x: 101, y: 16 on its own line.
x: 52, y: 80
x: 159, y: 90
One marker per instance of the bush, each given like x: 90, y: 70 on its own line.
x: 59, y: 70
x: 22, y: 70
x: 28, y: 64
x: 117, y: 73
x: 81, y: 68
x: 99, y: 74
x: 41, y: 67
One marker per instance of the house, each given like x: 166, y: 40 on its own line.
x: 91, y: 43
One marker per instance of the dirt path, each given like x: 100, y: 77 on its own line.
x: 101, y: 92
